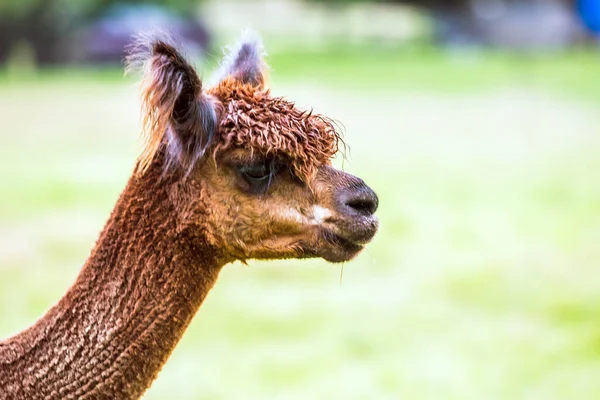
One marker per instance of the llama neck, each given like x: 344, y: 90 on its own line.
x: 111, y: 333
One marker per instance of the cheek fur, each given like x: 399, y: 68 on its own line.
x: 311, y: 216
x: 321, y: 214
x: 289, y: 214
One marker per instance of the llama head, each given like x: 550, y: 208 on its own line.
x: 249, y: 170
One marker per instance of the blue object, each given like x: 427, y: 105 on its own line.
x: 589, y: 11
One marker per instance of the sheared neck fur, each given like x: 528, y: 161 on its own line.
x: 108, y: 337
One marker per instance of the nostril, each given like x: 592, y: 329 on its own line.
x: 362, y: 206
x: 365, y: 205
x: 357, y: 199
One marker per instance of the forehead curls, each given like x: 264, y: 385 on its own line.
x: 252, y: 119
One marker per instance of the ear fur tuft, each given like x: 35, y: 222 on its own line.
x: 245, y: 61
x: 175, y: 111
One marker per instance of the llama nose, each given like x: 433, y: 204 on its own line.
x: 360, y: 200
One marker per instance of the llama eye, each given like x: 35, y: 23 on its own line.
x: 259, y: 172
x: 258, y: 177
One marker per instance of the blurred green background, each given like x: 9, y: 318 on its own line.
x: 483, y: 283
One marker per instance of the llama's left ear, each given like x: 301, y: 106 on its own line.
x: 244, y: 62
x: 176, y: 111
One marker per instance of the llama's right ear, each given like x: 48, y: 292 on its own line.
x: 175, y: 109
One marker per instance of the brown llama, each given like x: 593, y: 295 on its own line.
x: 228, y: 173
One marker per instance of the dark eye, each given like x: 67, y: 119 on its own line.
x: 259, y: 172
x: 258, y: 176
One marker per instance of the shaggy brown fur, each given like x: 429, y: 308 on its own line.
x: 267, y: 191
x: 109, y: 335
x: 252, y: 119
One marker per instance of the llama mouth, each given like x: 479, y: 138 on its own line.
x: 340, y: 248
x: 346, y: 243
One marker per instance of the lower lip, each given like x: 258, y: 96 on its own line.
x: 346, y: 244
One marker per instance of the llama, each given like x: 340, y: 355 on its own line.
x: 227, y: 173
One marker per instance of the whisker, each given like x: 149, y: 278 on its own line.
x: 371, y: 258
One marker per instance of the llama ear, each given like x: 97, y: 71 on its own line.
x: 174, y: 105
x: 244, y: 62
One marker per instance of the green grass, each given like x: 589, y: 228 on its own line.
x: 425, y: 68
x: 376, y: 68
x: 483, y: 282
